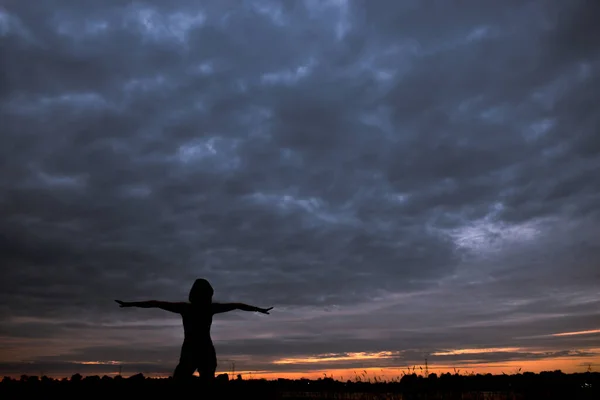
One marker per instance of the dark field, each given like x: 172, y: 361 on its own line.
x: 546, y: 385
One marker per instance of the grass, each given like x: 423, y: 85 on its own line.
x: 408, y: 386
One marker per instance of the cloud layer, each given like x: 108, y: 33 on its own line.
x: 392, y: 177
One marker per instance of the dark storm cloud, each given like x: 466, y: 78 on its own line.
x: 389, y: 175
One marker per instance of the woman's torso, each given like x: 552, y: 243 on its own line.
x: 197, y: 321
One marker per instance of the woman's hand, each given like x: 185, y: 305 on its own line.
x: 123, y: 303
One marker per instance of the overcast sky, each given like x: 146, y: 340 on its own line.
x: 407, y: 177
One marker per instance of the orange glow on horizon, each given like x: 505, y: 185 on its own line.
x: 98, y: 362
x: 392, y: 367
x: 562, y: 334
x: 333, y: 357
x: 566, y: 365
x: 479, y: 351
x: 590, y: 332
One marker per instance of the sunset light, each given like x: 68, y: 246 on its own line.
x: 477, y: 351
x: 589, y: 332
x: 331, y: 357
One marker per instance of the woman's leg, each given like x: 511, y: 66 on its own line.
x: 184, y: 371
x: 207, y: 374
x: 187, y: 365
x: 208, y: 367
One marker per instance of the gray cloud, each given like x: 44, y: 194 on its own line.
x: 390, y: 176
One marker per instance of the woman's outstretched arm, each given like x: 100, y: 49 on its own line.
x: 225, y: 307
x: 163, y: 305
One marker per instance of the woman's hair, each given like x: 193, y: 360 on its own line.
x: 201, y: 291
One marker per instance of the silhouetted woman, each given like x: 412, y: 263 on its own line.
x: 197, y: 351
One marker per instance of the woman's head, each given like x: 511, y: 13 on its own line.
x: 201, y: 291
